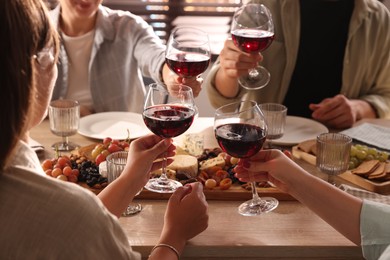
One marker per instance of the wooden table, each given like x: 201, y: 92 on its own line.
x: 291, y: 231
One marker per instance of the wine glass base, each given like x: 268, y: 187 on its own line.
x: 161, y: 186
x: 61, y: 146
x: 265, y: 205
x: 256, y: 79
x: 132, y: 209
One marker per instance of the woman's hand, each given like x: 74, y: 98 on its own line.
x: 267, y: 165
x: 143, y: 156
x: 186, y: 216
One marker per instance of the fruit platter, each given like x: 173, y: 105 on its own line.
x: 369, y: 167
x: 213, y: 168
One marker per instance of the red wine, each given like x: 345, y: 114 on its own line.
x: 251, y: 40
x: 187, y: 64
x: 240, y: 140
x: 168, y: 120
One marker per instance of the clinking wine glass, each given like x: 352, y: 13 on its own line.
x: 168, y: 113
x: 252, y: 31
x: 240, y: 129
x: 188, y: 52
x: 64, y: 118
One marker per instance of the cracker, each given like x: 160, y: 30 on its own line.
x: 366, y: 167
x: 379, y: 172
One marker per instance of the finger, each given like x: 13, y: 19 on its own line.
x: 158, y: 164
x: 180, y: 193
x: 162, y: 146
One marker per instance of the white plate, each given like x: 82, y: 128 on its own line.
x: 113, y: 124
x: 299, y: 129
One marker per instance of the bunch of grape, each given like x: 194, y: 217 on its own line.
x: 360, y: 153
x: 61, y: 168
x: 89, y: 173
x: 74, y: 169
x: 108, y: 146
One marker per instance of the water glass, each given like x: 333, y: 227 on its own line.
x: 64, y: 117
x: 275, y: 115
x: 116, y: 163
x: 333, y: 154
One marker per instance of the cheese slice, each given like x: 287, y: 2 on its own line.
x: 185, y: 164
x: 193, y: 144
x: 213, y: 162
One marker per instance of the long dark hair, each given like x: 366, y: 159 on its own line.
x: 25, y: 30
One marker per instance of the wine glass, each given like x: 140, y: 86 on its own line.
x: 64, y: 118
x: 188, y: 52
x: 116, y: 163
x: 275, y: 116
x: 240, y: 129
x: 333, y: 154
x: 168, y: 113
x: 252, y: 31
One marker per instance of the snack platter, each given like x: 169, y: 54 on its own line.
x: 304, y: 151
x: 235, y: 192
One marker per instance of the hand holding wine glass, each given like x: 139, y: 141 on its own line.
x: 168, y: 113
x: 188, y: 52
x: 241, y: 130
x: 252, y: 31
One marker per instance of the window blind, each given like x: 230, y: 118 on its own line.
x: 211, y: 16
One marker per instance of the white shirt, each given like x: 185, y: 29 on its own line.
x: 79, y: 50
x: 375, y: 230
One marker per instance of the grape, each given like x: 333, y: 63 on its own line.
x: 210, y: 183
x: 372, y: 151
x: 360, y: 153
x: 354, y: 150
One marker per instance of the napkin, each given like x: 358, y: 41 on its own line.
x: 375, y: 135
x: 364, y: 194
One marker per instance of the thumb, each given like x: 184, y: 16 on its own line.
x: 180, y: 193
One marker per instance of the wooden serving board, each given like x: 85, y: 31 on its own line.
x: 378, y: 187
x: 236, y: 192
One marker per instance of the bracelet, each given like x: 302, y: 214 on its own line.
x: 168, y: 246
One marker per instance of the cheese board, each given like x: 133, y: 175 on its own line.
x: 381, y: 187
x: 235, y: 192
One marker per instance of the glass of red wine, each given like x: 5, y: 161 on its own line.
x: 252, y: 31
x: 188, y: 52
x: 241, y: 130
x: 168, y: 112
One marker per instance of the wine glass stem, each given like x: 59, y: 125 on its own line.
x: 253, y: 73
x: 255, y: 196
x: 65, y: 140
x: 163, y: 176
